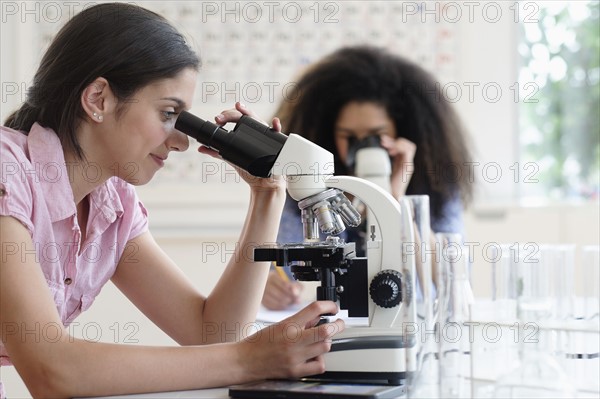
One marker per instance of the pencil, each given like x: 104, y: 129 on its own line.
x: 282, y: 273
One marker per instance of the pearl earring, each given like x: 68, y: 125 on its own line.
x: 98, y: 116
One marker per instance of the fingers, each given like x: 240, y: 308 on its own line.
x: 399, y: 146
x: 296, y: 291
x: 312, y: 312
x: 311, y: 367
x: 312, y: 341
x: 243, y: 110
x: 326, y: 331
x: 317, y: 342
x: 209, y: 151
x: 294, y: 347
x: 271, y: 303
x: 276, y: 124
x: 233, y: 115
x: 280, y: 294
x: 276, y: 300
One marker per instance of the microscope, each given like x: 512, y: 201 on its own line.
x: 379, y: 287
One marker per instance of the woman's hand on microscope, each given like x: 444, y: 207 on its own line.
x: 293, y: 347
x: 256, y: 183
x: 279, y: 293
x: 402, y: 152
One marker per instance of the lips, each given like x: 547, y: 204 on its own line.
x: 159, y: 159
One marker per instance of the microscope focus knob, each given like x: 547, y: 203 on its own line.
x: 386, y: 288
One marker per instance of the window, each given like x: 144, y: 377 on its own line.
x: 559, y: 104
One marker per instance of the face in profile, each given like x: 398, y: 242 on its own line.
x: 137, y: 143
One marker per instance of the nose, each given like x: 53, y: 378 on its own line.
x: 177, y: 141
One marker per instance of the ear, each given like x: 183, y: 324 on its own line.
x: 97, y: 100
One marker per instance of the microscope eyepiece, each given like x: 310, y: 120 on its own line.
x: 251, y: 145
x: 255, y: 147
x: 205, y: 132
x: 355, y: 145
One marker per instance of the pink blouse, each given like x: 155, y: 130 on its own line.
x: 35, y: 190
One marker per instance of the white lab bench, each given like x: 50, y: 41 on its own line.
x: 492, y: 353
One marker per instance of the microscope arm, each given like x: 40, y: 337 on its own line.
x: 385, y: 252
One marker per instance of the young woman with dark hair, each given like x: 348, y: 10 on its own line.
x: 99, y: 118
x: 363, y: 91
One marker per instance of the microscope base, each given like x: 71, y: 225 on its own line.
x: 369, y: 358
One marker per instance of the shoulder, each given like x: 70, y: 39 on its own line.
x: 290, y: 228
x: 17, y: 177
x: 13, y: 145
x: 451, y: 217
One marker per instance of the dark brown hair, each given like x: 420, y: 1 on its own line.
x: 127, y: 45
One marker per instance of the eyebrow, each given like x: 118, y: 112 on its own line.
x: 180, y: 103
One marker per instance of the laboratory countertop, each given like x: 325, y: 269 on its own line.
x: 481, y: 378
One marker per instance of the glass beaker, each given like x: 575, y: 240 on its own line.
x: 589, y: 272
x: 454, y: 300
x: 583, y: 347
x: 504, y: 281
x: 424, y: 383
x: 538, y: 373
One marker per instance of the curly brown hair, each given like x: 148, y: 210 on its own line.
x: 414, y: 100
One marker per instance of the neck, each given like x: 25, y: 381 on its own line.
x: 84, y: 176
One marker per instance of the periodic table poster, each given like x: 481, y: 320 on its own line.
x: 252, y: 51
